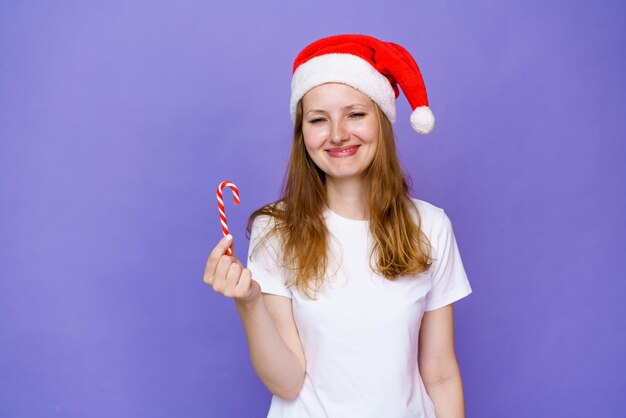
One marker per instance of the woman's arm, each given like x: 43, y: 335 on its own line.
x: 275, y: 348
x: 437, y: 363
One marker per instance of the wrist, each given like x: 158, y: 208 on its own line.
x: 249, y: 304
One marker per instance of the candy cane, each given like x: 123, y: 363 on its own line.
x: 220, y: 206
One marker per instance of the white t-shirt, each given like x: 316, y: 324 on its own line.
x: 360, y: 338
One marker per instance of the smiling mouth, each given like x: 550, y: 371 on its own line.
x: 343, y: 152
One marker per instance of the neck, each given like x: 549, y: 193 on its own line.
x: 347, y: 198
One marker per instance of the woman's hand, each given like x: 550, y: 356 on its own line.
x: 227, y: 276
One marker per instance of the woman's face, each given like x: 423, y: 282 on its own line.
x: 340, y: 130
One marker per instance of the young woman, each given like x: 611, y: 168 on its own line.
x: 347, y: 296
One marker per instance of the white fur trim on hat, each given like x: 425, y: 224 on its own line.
x: 347, y: 69
x: 422, y: 120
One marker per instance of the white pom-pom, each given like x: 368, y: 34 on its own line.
x: 422, y: 120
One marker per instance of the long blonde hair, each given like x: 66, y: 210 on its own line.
x: 400, y: 246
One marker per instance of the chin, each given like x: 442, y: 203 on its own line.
x: 345, y: 175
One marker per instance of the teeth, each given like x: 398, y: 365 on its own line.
x: 343, y: 150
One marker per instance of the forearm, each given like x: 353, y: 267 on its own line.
x: 275, y: 364
x: 447, y: 397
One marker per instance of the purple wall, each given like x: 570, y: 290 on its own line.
x: 118, y: 119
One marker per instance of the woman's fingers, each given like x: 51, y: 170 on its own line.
x: 220, y: 249
x: 242, y: 289
x: 227, y: 275
x: 221, y: 270
x: 214, y: 258
x: 247, y: 288
x: 234, y: 281
x: 232, y: 278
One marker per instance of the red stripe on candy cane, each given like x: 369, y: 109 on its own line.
x: 220, y: 206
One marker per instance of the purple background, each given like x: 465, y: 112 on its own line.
x: 118, y: 119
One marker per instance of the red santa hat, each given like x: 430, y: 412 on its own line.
x: 372, y: 66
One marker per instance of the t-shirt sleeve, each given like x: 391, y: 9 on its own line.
x: 263, y: 259
x: 449, y: 280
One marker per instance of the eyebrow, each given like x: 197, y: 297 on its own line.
x: 343, y: 108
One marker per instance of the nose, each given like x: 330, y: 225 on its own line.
x: 339, y: 133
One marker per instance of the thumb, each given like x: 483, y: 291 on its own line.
x: 225, y: 243
x: 230, y: 244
